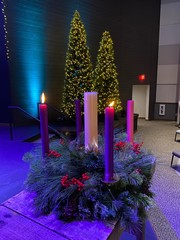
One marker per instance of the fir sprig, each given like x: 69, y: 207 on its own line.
x: 69, y: 182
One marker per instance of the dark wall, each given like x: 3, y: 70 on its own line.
x: 4, y: 74
x: 38, y: 34
x: 170, y: 111
x: 139, y: 36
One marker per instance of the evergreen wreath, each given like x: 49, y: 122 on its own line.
x: 69, y: 181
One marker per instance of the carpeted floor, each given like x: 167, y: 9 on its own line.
x: 158, y: 137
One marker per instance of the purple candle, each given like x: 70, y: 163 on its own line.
x: 109, y: 147
x: 43, y: 113
x: 78, y: 117
x: 130, y: 121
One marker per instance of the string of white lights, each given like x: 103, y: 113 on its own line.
x: 5, y: 29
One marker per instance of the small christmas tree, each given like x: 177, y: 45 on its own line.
x: 78, y: 68
x: 105, y: 75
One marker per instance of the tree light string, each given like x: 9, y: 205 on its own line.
x: 5, y: 29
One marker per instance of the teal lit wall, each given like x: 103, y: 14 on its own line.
x: 38, y: 32
x: 26, y: 24
x: 31, y: 38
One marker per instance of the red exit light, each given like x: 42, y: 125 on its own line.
x: 142, y: 77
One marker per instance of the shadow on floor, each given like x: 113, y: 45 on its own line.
x: 176, y: 167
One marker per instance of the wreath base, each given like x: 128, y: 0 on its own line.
x: 70, y: 182
x: 22, y: 204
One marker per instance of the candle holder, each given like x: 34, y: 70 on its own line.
x: 115, y: 179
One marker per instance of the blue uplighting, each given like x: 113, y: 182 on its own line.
x: 31, y: 37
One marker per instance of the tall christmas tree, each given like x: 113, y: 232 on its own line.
x: 78, y: 68
x: 105, y: 75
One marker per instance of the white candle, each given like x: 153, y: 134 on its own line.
x: 90, y: 120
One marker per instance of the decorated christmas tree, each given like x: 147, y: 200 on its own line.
x: 106, y: 82
x: 78, y: 67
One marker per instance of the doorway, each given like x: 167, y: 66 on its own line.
x: 140, y: 95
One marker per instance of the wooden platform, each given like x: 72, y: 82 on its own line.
x: 18, y: 221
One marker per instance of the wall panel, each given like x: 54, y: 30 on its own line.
x: 169, y: 58
x: 169, y: 54
x: 170, y: 13
x: 166, y: 94
x: 168, y: 74
x: 169, y: 34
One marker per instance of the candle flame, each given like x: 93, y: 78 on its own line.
x: 42, y: 98
x: 111, y: 104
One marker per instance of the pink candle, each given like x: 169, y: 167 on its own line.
x: 130, y: 121
x: 109, y: 147
x: 43, y: 113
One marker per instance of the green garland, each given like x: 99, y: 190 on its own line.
x: 69, y: 181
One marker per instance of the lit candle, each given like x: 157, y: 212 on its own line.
x: 78, y: 117
x: 43, y: 113
x: 130, y: 121
x: 109, y: 147
x: 90, y: 120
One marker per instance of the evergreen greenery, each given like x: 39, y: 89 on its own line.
x: 78, y: 67
x: 69, y: 181
x: 106, y: 82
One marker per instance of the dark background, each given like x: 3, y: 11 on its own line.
x: 38, y: 36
